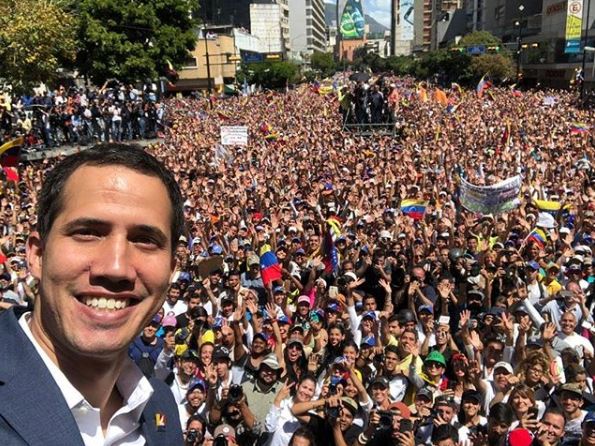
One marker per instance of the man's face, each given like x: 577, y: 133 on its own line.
x: 568, y: 323
x: 105, y: 264
x: 390, y: 362
x: 345, y: 419
x: 195, y: 398
x: 267, y: 374
x: 188, y: 367
x: 407, y: 341
x: 193, y: 302
x: 571, y: 402
x: 379, y: 393
x: 222, y: 367
x: 149, y: 332
x: 553, y: 426
x: 173, y: 295
x: 445, y: 412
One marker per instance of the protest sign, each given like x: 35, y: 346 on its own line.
x: 493, y: 199
x: 234, y: 135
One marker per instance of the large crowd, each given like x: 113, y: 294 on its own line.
x: 81, y: 116
x: 377, y: 328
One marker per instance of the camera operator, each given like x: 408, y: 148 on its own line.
x: 391, y: 427
x: 336, y: 428
x: 444, y: 412
x: 194, y: 433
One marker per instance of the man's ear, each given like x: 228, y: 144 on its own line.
x: 34, y: 254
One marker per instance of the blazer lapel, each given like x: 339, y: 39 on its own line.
x: 30, y: 400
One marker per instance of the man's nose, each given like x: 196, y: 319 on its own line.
x: 114, y: 262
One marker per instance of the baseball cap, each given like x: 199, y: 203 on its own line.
x: 278, y: 289
x: 300, y: 252
x: 471, y: 395
x: 533, y: 265
x: 402, y: 408
x: 380, y: 381
x: 334, y: 308
x: 283, y: 320
x: 425, y: 392
x: 220, y: 354
x: 197, y: 384
x: 189, y: 354
x: 368, y: 341
x: 503, y: 365
x: 589, y: 418
x: 519, y: 437
x: 270, y: 361
x: 427, y: 308
x: 169, y: 320
x: 303, y: 298
x: 369, y: 315
x: 436, y: 356
x: 224, y: 430
x: 571, y: 387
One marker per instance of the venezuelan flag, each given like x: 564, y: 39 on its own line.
x: 270, y: 269
x: 482, y: 86
x: 578, y: 127
x: 538, y: 236
x: 330, y: 254
x: 335, y: 225
x: 413, y: 208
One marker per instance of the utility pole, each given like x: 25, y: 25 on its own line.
x: 585, y: 42
x: 209, y: 85
x: 519, y: 44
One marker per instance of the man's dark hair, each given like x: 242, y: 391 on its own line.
x: 303, y: 432
x: 555, y: 411
x: 501, y: 413
x: 201, y: 419
x: 51, y: 199
x: 444, y: 432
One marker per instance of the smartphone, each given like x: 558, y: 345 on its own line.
x: 333, y: 291
x: 586, y: 324
x: 533, y: 412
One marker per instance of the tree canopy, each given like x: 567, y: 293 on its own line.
x: 36, y: 38
x: 134, y: 40
x: 479, y: 38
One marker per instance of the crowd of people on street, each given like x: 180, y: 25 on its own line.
x: 81, y: 116
x: 310, y: 306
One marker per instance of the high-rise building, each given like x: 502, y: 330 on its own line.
x: 265, y: 23
x: 307, y: 29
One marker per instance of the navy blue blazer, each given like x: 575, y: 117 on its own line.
x: 33, y: 411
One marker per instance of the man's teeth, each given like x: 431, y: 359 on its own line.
x: 102, y: 303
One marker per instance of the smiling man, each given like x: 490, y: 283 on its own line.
x: 103, y: 255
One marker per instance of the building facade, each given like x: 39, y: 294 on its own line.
x: 307, y: 29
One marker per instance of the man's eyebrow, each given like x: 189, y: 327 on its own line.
x: 95, y: 222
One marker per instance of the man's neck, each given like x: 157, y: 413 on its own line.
x: 573, y: 416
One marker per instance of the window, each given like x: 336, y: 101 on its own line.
x: 190, y: 62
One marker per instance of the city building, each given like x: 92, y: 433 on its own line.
x: 307, y: 29
x: 266, y: 23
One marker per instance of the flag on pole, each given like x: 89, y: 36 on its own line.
x: 330, y: 254
x: 483, y: 86
x: 578, y: 127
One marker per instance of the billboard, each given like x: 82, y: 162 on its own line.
x: 406, y: 16
x: 574, y: 26
x: 352, y: 22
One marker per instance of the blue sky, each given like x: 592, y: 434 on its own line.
x: 378, y: 9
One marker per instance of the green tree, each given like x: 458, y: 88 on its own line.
x: 498, y: 66
x: 479, y: 38
x: 401, y: 65
x: 324, y: 62
x: 36, y: 37
x: 270, y: 74
x: 135, y: 40
x: 450, y: 66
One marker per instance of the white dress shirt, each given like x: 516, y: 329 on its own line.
x: 123, y: 428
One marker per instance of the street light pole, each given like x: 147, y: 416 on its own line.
x: 209, y: 85
x: 585, y: 42
x: 519, y: 45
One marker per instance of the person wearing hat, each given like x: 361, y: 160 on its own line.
x: 535, y: 289
x: 571, y: 402
x: 550, y: 281
x: 252, y: 279
x: 444, y: 413
x: 337, y: 430
x: 470, y: 414
x: 432, y: 374
x: 260, y: 392
x: 573, y: 299
x: 247, y: 363
x: 379, y: 389
x: 145, y: 348
x: 588, y: 430
x: 180, y: 378
x: 195, y: 401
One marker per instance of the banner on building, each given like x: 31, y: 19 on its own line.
x: 493, y: 199
x: 234, y: 135
x: 352, y: 22
x: 574, y: 26
x: 406, y: 16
